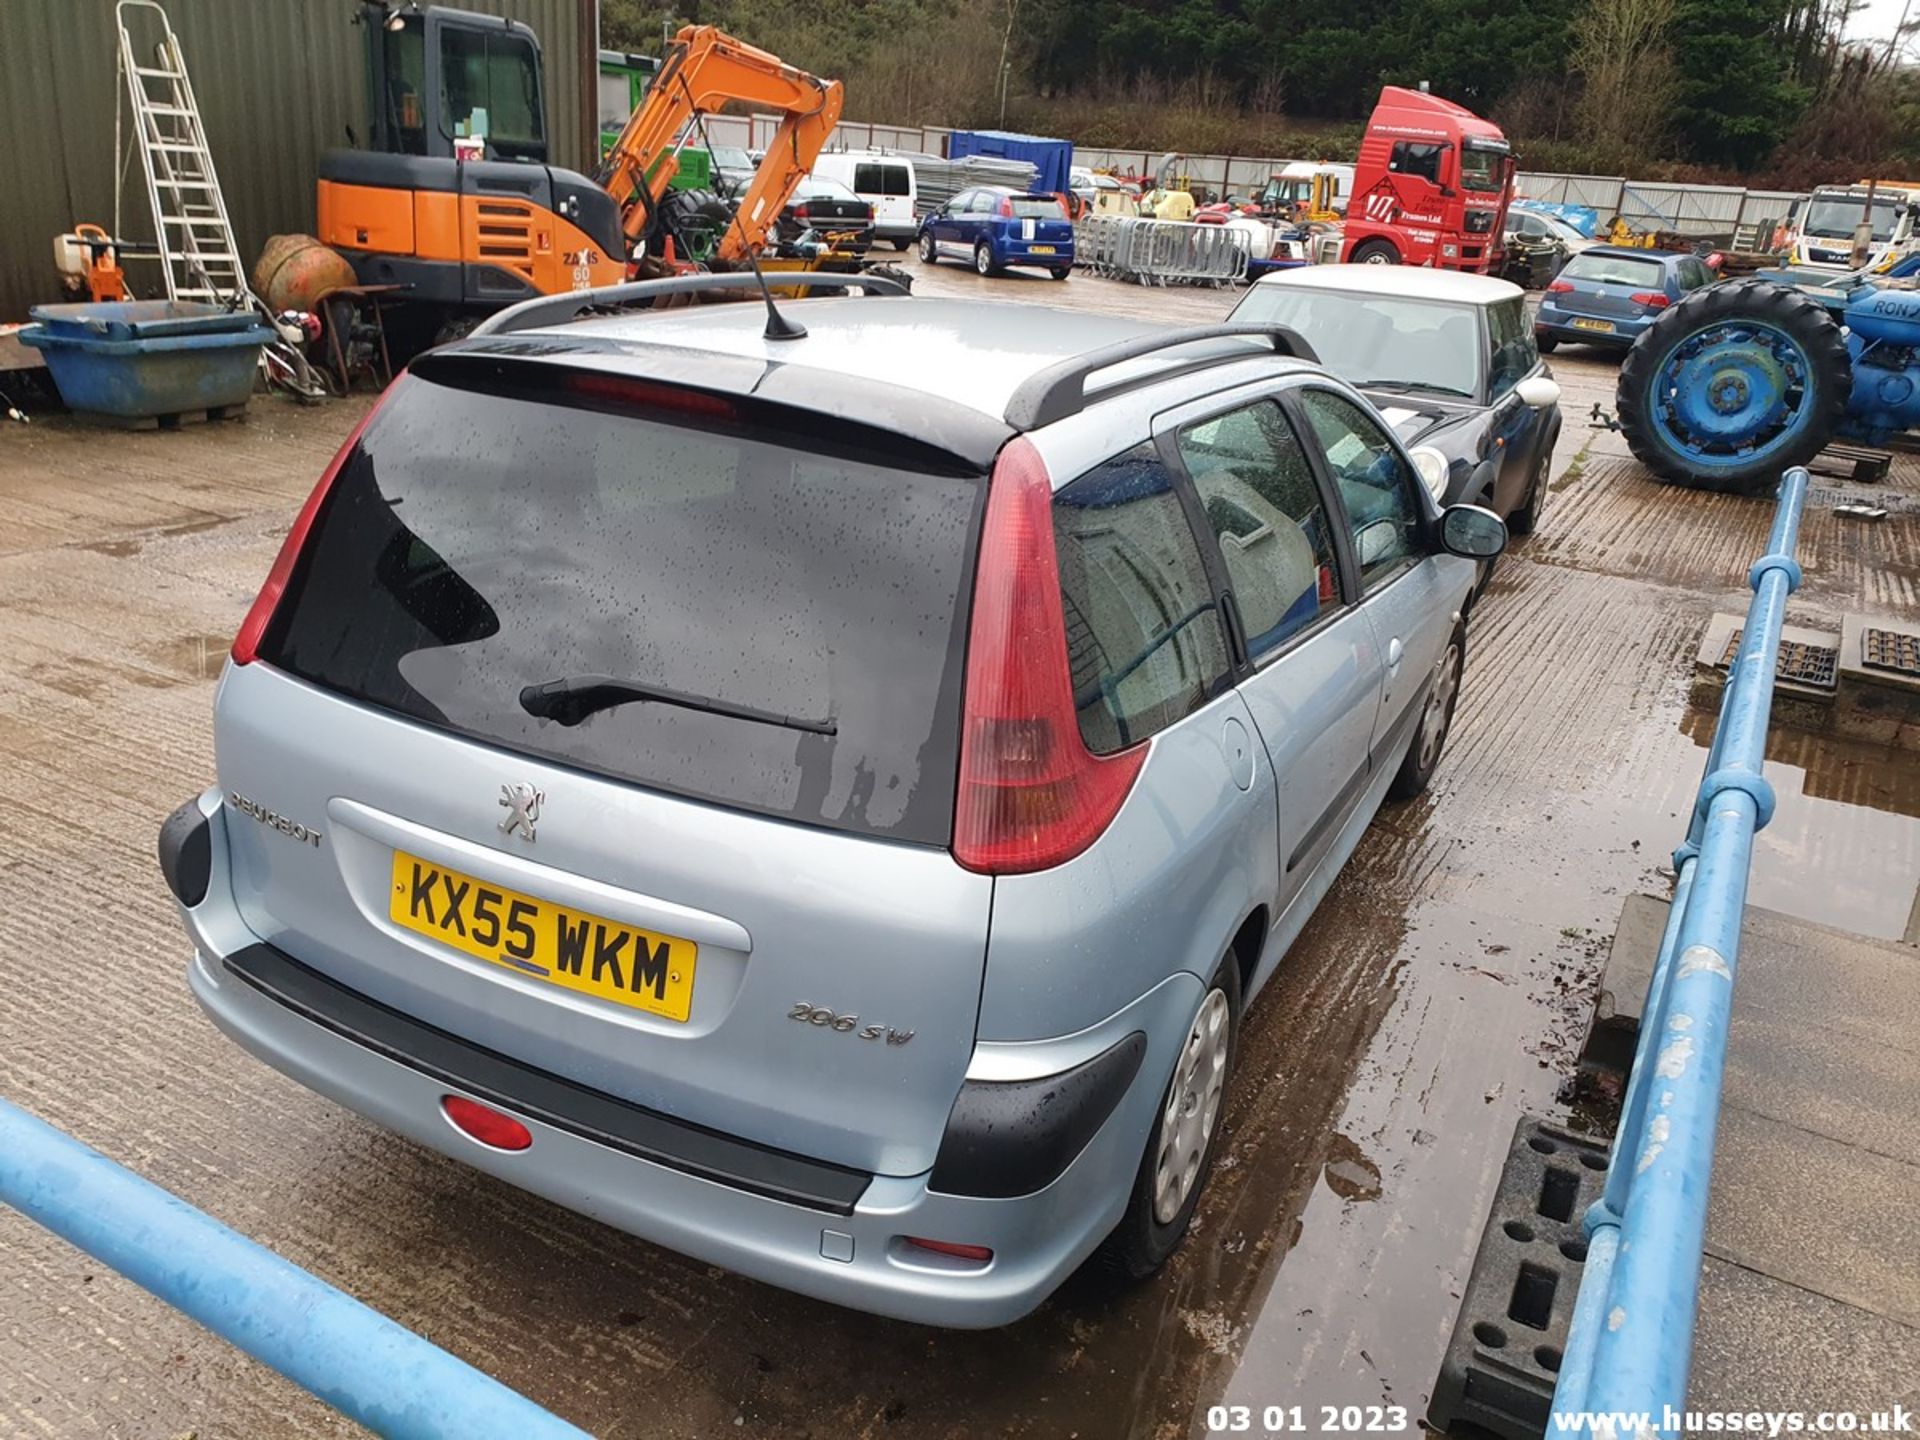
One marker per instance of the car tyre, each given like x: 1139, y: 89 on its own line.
x: 1436, y: 721
x: 983, y: 259
x: 1159, y: 1210
x: 929, y: 252
x: 1062, y: 273
x: 1376, y: 252
x: 1547, y: 343
x: 902, y: 245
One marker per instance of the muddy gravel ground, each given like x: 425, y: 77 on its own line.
x: 1440, y: 992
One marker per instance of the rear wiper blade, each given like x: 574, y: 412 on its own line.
x: 572, y: 698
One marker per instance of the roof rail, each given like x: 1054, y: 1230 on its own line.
x: 1060, y: 390
x: 560, y: 309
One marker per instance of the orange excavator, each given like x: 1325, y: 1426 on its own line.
x: 454, y: 202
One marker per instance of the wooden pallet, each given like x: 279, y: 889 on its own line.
x: 166, y: 422
x: 1852, y: 462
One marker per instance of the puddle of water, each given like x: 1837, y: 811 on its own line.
x: 1843, y: 848
x: 200, y: 657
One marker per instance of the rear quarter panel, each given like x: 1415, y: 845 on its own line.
x: 1164, y: 890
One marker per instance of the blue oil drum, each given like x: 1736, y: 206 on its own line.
x: 142, y: 359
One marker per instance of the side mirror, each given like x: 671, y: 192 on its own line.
x: 1471, y: 531
x: 1538, y: 392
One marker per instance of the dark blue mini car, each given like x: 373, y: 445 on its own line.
x: 1608, y: 294
x: 992, y: 228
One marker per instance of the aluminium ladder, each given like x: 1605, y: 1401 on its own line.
x: 199, y: 258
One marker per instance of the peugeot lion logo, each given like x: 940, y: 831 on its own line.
x: 522, y: 803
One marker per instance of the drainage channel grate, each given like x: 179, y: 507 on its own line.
x: 1803, y: 664
x: 1890, y: 650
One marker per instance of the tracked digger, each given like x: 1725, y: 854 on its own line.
x: 453, y: 199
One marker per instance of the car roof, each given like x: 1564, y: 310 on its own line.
x: 970, y: 355
x: 1411, y: 282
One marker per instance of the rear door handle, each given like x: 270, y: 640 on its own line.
x: 1395, y: 650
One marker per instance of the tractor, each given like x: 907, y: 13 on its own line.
x: 1740, y: 381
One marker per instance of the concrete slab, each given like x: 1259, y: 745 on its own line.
x: 1763, y: 1344
x: 1831, y: 1217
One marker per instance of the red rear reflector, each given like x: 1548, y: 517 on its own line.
x: 644, y: 393
x: 949, y: 1247
x: 1560, y: 287
x: 1651, y: 299
x: 246, y: 644
x: 1031, y: 794
x: 485, y: 1124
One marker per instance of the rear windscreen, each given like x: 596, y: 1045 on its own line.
x: 1037, y: 207
x: 478, y: 543
x: 1615, y: 270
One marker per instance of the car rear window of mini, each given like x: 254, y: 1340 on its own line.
x: 484, y: 541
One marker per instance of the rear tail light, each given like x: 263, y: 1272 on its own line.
x: 951, y: 1247
x: 800, y: 212
x: 246, y: 644
x: 1560, y: 287
x: 1006, y: 208
x: 1031, y: 794
x: 485, y: 1124
x: 1650, y: 299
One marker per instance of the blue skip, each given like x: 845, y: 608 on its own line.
x: 370, y: 1369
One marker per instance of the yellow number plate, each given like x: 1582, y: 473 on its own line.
x: 1040, y: 249
x: 561, y: 946
x: 1593, y: 325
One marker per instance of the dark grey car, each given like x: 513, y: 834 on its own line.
x: 1450, y: 361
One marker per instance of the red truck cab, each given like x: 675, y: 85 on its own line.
x: 1431, y: 187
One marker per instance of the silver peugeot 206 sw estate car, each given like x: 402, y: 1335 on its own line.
x: 820, y: 801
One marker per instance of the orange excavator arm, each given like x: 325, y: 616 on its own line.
x: 704, y: 69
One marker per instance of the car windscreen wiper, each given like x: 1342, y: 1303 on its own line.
x: 1405, y: 385
x: 572, y: 698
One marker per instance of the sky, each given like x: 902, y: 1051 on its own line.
x: 1876, y: 19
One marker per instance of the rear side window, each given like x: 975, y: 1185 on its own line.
x: 1144, y: 638
x: 477, y: 544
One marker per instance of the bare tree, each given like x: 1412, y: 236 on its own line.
x: 1621, y: 50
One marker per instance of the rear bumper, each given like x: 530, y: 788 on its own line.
x: 1559, y: 324
x: 823, y: 1230
x: 1020, y: 253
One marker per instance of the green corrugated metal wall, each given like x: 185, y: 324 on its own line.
x: 277, y: 81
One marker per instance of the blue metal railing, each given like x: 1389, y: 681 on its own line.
x: 367, y: 1367
x: 1631, y: 1339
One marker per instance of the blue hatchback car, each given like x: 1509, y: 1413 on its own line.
x: 993, y: 228
x: 1608, y: 294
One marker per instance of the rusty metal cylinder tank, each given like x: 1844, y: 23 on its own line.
x: 294, y: 271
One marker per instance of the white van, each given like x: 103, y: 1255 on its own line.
x: 885, y: 182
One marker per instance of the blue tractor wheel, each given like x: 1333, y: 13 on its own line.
x: 1733, y: 385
